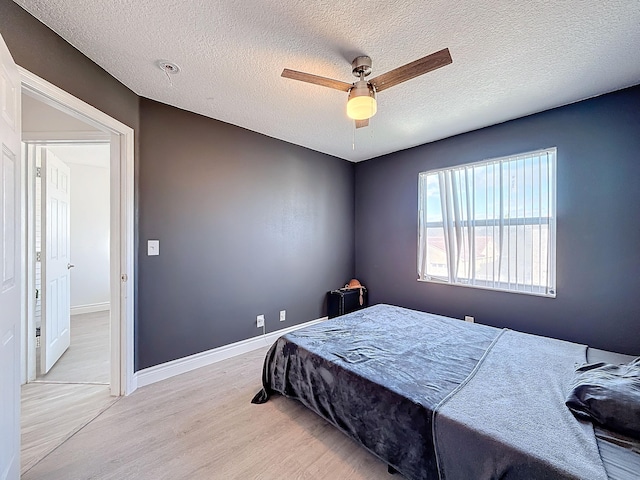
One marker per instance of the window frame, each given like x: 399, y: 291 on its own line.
x: 548, y: 290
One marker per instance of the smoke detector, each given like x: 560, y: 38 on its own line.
x: 169, y: 68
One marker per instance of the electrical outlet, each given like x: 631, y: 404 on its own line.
x: 260, y: 321
x: 283, y: 315
x: 469, y: 319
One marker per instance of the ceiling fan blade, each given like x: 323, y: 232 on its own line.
x: 412, y: 70
x: 317, y: 80
x: 362, y: 123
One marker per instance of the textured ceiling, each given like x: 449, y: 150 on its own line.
x: 510, y: 58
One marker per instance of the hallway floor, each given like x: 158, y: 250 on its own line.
x: 87, y: 359
x: 76, y: 390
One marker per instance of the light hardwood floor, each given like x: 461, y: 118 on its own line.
x: 201, y: 425
x: 51, y: 413
x: 74, y: 391
x: 87, y: 359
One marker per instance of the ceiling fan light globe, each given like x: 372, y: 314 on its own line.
x: 361, y: 108
x: 362, y: 101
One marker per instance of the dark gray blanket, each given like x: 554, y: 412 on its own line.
x: 377, y: 375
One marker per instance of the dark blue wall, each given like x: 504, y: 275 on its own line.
x: 598, y: 225
x: 247, y: 225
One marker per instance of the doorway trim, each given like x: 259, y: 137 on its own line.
x: 122, y: 272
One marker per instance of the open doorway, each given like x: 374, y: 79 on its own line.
x: 121, y: 245
x: 62, y: 393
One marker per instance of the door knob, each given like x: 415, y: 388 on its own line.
x: 70, y: 266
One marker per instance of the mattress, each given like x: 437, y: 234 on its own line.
x: 411, y: 387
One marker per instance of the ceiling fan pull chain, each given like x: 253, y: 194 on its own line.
x: 353, y: 138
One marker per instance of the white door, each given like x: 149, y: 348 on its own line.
x: 10, y: 266
x: 55, y: 326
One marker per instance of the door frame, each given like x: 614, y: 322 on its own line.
x: 122, y: 281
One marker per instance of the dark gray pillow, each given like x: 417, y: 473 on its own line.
x: 608, y: 395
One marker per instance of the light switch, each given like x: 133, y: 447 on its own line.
x: 153, y: 247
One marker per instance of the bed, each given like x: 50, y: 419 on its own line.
x: 439, y: 398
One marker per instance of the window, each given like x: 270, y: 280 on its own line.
x: 490, y: 224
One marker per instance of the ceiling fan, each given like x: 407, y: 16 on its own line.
x: 362, y: 105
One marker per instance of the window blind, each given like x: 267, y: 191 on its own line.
x: 490, y: 224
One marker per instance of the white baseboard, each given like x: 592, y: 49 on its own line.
x: 91, y: 308
x: 154, y: 374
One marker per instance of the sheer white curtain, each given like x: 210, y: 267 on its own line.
x: 490, y: 224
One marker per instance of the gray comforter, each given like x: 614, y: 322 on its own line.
x: 509, y: 420
x: 402, y: 382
